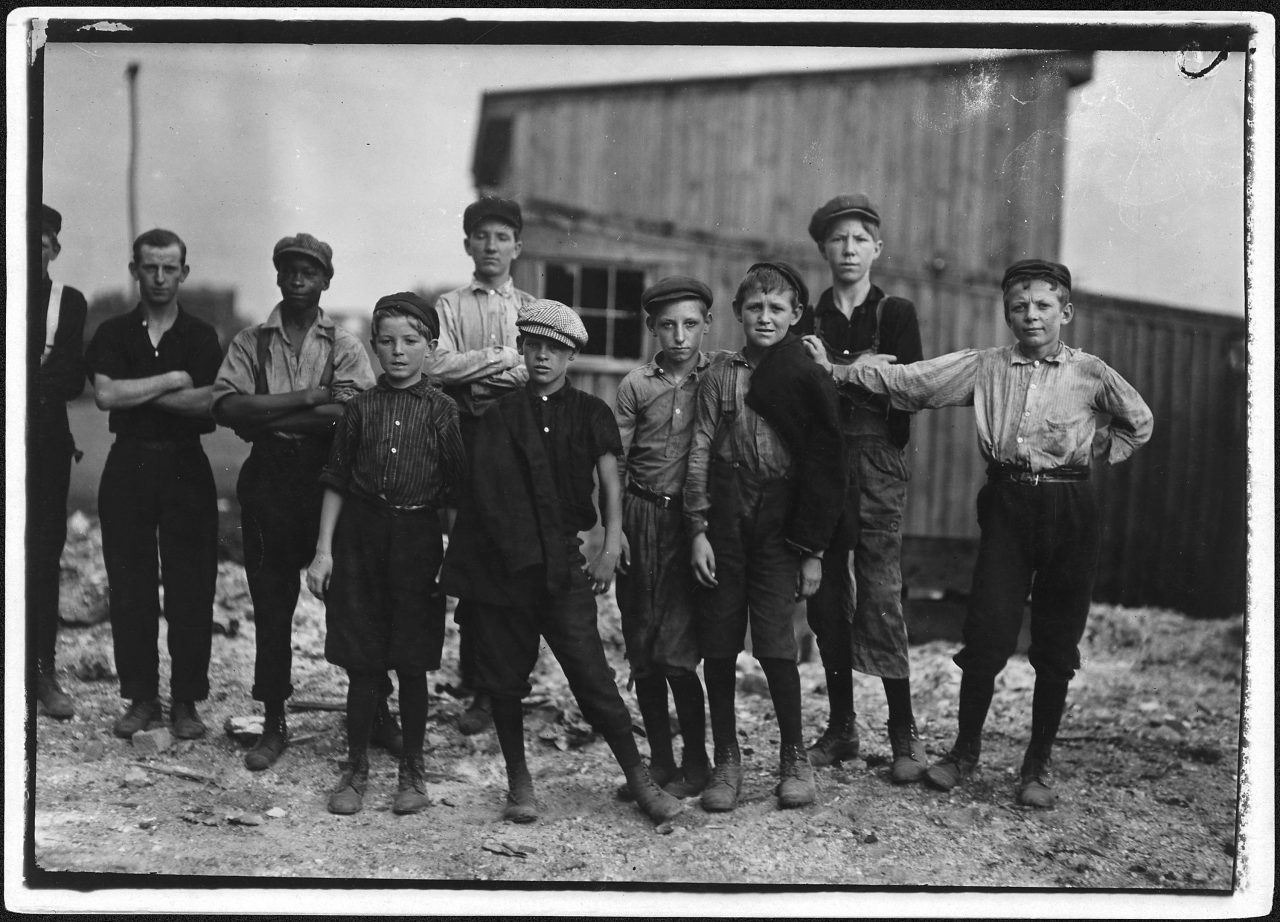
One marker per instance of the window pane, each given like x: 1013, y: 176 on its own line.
x: 628, y: 288
x: 628, y: 319
x: 595, y: 288
x: 559, y: 283
x: 597, y: 333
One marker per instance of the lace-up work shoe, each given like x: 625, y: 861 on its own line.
x: 796, y: 787
x: 521, y: 807
x: 477, y: 717
x: 657, y: 804
x: 691, y: 780
x: 909, y: 757
x: 186, y: 722
x: 54, y: 702
x: 837, y: 743
x: 955, y: 768
x: 662, y: 775
x: 1035, y: 786
x: 348, y: 796
x: 412, y: 794
x: 270, y: 746
x: 721, y: 792
x: 142, y: 714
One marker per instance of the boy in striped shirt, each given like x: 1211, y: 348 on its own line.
x: 1035, y: 404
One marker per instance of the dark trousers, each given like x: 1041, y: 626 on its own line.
x: 856, y: 614
x: 48, y: 479
x: 507, y: 639
x: 160, y: 497
x: 280, y: 495
x: 467, y: 427
x: 1041, y: 538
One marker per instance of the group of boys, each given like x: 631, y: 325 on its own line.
x: 730, y: 486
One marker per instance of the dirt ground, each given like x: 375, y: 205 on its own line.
x: 1147, y: 765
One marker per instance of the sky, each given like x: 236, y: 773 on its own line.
x: 369, y: 148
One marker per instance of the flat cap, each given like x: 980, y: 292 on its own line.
x: 552, y: 320
x: 415, y: 305
x: 1036, y: 269
x: 791, y: 274
x: 855, y: 205
x: 490, y: 206
x: 50, y: 221
x: 305, y: 245
x: 674, y: 288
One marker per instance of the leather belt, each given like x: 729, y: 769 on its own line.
x: 178, y: 444
x: 661, y: 500
x: 1007, y: 473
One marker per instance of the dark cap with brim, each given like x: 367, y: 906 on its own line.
x: 856, y: 205
x: 414, y: 305
x: 791, y: 274
x: 305, y: 245
x: 492, y: 207
x: 1026, y: 269
x: 674, y: 288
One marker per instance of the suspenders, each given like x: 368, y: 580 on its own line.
x: 51, y: 325
x: 263, y: 347
x: 875, y: 337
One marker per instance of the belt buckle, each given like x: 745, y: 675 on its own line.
x: 1033, y: 479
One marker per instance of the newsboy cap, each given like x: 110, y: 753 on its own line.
x: 674, y: 288
x: 413, y: 304
x: 490, y: 206
x: 791, y: 274
x: 1036, y: 269
x: 305, y: 245
x: 50, y: 221
x: 552, y: 320
x: 855, y: 205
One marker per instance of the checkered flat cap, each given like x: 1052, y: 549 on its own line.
x: 552, y: 320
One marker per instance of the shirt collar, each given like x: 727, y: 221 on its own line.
x: 652, y: 369
x: 557, y: 396
x: 180, y: 322
x: 505, y: 289
x: 1064, y: 354
x: 323, y: 321
x: 418, y: 390
x: 827, y: 301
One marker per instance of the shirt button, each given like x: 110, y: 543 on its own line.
x: 1035, y: 364
x: 1033, y: 387
x: 546, y: 428
x: 1019, y: 442
x: 544, y: 399
x: 393, y: 451
x: 846, y: 352
x: 397, y: 422
x: 677, y: 412
x: 1025, y: 413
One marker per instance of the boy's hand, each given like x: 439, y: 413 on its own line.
x: 704, y: 561
x: 817, y: 351
x: 600, y: 571
x: 875, y: 358
x: 318, y: 396
x: 182, y: 380
x: 318, y: 575
x: 624, y: 555
x: 808, y: 577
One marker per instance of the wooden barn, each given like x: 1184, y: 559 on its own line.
x: 624, y: 183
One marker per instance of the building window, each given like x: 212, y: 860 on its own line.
x: 493, y: 153
x: 608, y: 298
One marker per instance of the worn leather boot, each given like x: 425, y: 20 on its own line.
x: 909, y: 757
x: 1035, y: 784
x: 661, y: 774
x: 521, y: 807
x: 837, y: 743
x: 796, y: 787
x: 270, y: 746
x: 691, y: 780
x: 141, y: 714
x: 657, y: 804
x: 54, y: 702
x: 721, y: 793
x: 186, y: 721
x: 956, y: 767
x: 412, y: 794
x: 478, y: 716
x: 348, y: 796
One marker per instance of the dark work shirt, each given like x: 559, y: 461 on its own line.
x: 399, y: 445
x: 845, y: 338
x: 122, y: 349
x: 577, y: 428
x: 61, y: 377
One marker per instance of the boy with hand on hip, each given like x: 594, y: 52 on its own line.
x: 762, y: 496
x: 395, y: 463
x: 477, y: 362
x: 514, y: 553
x: 282, y: 386
x: 656, y: 593
x: 856, y: 613
x: 1035, y: 405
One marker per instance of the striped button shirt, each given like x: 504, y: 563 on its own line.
x: 1034, y: 414
x: 655, y: 419
x: 749, y: 443
x: 398, y: 445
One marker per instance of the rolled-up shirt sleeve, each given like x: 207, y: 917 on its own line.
x: 236, y: 373
x: 1131, y: 419
x: 352, y: 370
x: 342, y: 452
x: 946, y: 381
x: 449, y: 364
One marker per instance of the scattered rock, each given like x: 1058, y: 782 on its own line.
x: 1201, y: 752
x: 150, y: 822
x: 152, y: 742
x: 870, y: 839
x: 93, y: 750
x: 1166, y: 734
x: 93, y: 667
x: 246, y: 819
x: 225, y: 624
x: 244, y: 730
x: 276, y: 813
x: 136, y: 777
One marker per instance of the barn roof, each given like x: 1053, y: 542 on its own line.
x: 1077, y: 65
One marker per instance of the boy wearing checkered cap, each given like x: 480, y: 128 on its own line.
x: 392, y: 474
x: 515, y: 552
x: 1035, y: 405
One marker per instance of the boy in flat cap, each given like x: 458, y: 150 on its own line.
x: 282, y: 386
x: 514, y: 553
x: 477, y: 362
x: 762, y: 495
x: 856, y: 614
x: 55, y: 374
x: 393, y: 470
x: 654, y: 408
x: 1035, y: 405
x: 152, y: 369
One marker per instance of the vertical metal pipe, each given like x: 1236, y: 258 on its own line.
x: 131, y: 73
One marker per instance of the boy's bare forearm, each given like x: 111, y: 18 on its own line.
x: 192, y: 402
x: 306, y: 422
x: 241, y: 411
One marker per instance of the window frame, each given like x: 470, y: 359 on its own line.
x: 610, y: 313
